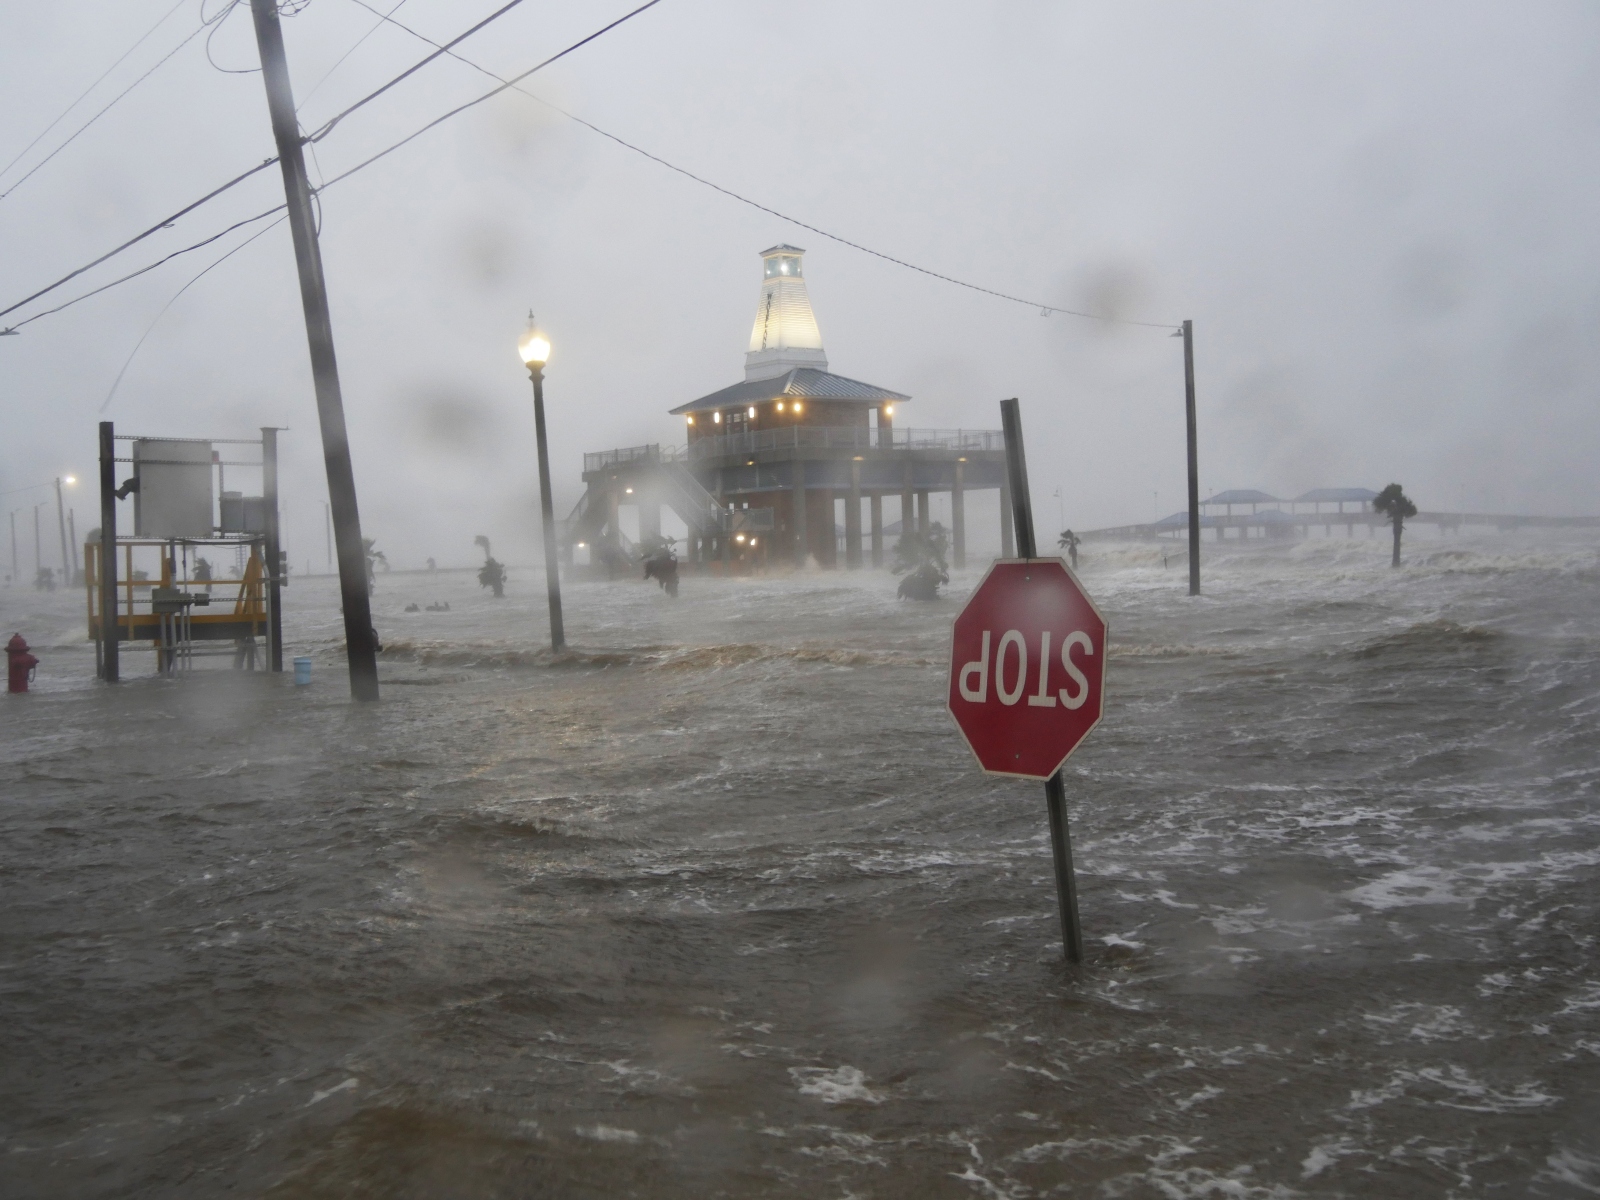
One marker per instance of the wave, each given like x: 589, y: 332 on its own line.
x: 679, y: 658
x: 1431, y: 638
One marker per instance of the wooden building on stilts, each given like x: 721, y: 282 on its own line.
x: 769, y: 461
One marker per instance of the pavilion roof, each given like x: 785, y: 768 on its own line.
x: 1330, y: 495
x: 806, y: 383
x: 1241, y: 496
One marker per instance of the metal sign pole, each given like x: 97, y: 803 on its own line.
x: 274, y: 564
x: 1055, y: 790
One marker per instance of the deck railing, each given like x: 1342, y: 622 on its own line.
x: 846, y: 437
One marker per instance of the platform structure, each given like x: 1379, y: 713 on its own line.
x: 770, y: 460
x: 163, y: 585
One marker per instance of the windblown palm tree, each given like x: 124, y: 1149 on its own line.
x: 1397, y: 505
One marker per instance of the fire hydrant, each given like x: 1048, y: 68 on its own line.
x: 21, y: 662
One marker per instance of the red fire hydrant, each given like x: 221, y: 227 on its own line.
x: 21, y: 662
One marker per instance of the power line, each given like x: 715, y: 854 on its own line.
x: 1045, y: 309
x: 139, y: 237
x: 327, y: 126
x: 268, y: 162
x: 35, y: 168
x: 96, y: 84
x: 196, y: 279
x: 268, y: 212
x: 328, y: 74
x: 512, y: 82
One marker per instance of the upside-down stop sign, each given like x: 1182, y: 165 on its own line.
x: 1027, y: 667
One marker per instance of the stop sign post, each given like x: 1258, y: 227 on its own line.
x: 1027, y: 672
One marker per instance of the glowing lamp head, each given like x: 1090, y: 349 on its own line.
x: 752, y: 412
x: 691, y: 418
x: 797, y: 406
x: 888, y: 410
x: 533, y: 345
x: 780, y: 405
x: 69, y: 480
x: 716, y: 418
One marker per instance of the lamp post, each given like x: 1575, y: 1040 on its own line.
x: 1186, y: 332
x: 61, y: 520
x: 534, y: 347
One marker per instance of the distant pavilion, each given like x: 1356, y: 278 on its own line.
x: 768, y: 459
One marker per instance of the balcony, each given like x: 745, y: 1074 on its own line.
x: 834, y: 438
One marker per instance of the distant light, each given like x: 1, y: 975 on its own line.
x: 533, y: 345
x: 69, y: 479
x: 582, y: 545
x: 629, y: 491
x: 738, y: 537
x: 860, y: 458
x: 752, y: 541
x: 749, y: 462
x: 752, y: 412
x: 717, y: 417
x: 961, y: 460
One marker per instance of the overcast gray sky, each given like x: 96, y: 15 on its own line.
x: 1380, y: 217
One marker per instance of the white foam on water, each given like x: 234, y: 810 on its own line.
x: 840, y: 1085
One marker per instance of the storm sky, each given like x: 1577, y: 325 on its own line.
x: 1380, y: 218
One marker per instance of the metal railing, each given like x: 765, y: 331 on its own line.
x: 846, y: 437
x: 625, y: 455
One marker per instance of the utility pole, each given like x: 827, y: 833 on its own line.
x: 1194, y: 459
x: 327, y: 517
x: 38, y: 558
x: 359, y: 636
x: 15, y: 573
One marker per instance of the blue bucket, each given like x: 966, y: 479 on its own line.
x: 302, y: 670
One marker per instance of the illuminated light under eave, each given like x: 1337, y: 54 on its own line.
x: 738, y: 537
x: 717, y: 417
x: 797, y: 406
x: 630, y: 491
x: 691, y: 418
x: 752, y: 412
x: 780, y: 405
x: 888, y: 410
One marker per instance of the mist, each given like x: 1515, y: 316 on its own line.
x: 1378, y: 218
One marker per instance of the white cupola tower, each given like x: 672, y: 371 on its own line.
x: 785, y: 334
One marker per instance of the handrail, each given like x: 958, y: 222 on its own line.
x: 801, y: 437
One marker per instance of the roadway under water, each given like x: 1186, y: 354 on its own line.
x: 722, y: 906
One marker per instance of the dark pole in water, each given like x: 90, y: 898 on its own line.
x: 1055, y: 789
x: 1194, y: 459
x: 360, y: 639
x: 535, y: 350
x: 109, y: 662
x: 269, y: 501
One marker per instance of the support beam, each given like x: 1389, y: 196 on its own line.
x: 852, y: 520
x: 958, y: 519
x: 274, y: 564
x: 908, y: 509
x: 923, y: 523
x: 109, y: 650
x: 798, y: 525
x: 649, y: 519
x: 876, y: 505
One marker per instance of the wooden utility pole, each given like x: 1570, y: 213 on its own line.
x: 110, y: 660
x: 359, y: 637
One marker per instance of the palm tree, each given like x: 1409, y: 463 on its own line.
x: 369, y: 547
x: 1398, y: 506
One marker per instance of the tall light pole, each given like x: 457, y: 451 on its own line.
x: 61, y: 519
x: 534, y: 347
x: 38, y: 558
x: 15, y: 572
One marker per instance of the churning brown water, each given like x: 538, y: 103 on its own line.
x: 722, y: 907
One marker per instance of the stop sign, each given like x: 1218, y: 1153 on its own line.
x: 1027, y: 667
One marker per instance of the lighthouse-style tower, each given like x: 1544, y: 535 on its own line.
x: 785, y: 334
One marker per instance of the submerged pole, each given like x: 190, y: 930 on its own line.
x: 1194, y: 459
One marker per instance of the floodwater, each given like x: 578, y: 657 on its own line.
x: 722, y: 906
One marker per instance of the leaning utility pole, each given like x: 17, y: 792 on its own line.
x: 359, y: 637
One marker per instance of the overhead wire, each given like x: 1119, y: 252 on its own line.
x: 1044, y: 309
x: 196, y: 279
x: 215, y: 192
x: 327, y: 126
x: 32, y: 171
x: 85, y: 93
x: 328, y: 74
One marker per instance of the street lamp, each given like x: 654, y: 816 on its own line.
x: 67, y: 572
x: 534, y: 347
